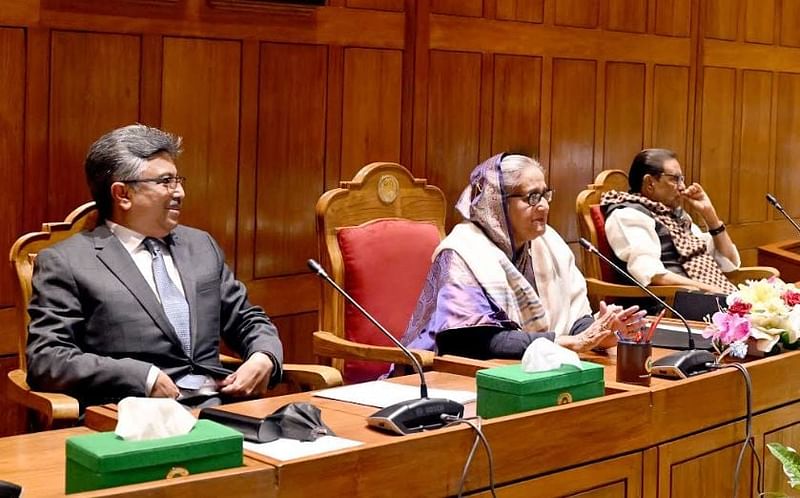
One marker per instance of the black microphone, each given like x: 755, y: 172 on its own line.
x: 677, y: 365
x: 772, y: 200
x: 410, y: 416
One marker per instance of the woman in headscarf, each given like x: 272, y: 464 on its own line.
x: 503, y: 278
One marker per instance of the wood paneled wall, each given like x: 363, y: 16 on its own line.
x: 277, y: 103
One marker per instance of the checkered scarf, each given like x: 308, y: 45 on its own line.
x: 694, y: 258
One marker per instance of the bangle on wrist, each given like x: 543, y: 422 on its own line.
x: 716, y: 231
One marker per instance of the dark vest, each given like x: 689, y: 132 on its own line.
x: 669, y: 254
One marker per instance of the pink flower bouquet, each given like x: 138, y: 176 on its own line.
x: 765, y: 311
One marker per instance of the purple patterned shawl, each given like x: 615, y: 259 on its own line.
x: 453, y: 298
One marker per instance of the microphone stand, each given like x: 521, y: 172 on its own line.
x: 677, y: 365
x: 409, y: 416
x: 772, y: 200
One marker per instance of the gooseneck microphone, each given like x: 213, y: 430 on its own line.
x: 410, y: 416
x: 772, y: 200
x: 677, y: 365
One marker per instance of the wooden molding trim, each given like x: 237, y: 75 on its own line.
x: 480, y: 35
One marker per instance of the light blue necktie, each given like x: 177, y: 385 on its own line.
x: 173, y: 302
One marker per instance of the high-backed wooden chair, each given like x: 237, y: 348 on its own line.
x: 376, y: 237
x: 55, y: 409
x: 601, y: 280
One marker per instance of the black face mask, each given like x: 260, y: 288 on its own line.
x: 9, y: 490
x: 301, y: 421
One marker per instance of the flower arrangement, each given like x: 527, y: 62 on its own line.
x: 765, y: 312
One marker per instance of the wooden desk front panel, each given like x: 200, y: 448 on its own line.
x: 784, y: 256
x: 613, y: 478
x: 782, y: 426
x: 703, y: 464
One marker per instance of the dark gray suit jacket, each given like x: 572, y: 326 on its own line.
x: 97, y: 327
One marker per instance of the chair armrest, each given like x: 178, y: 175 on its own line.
x: 311, y: 377
x: 231, y: 362
x: 752, y: 273
x: 461, y: 365
x: 53, y: 407
x: 299, y: 378
x: 601, y: 288
x: 331, y: 346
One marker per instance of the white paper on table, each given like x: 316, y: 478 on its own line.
x: 289, y: 449
x: 381, y: 394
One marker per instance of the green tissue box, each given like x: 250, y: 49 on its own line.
x: 506, y: 390
x: 103, y: 460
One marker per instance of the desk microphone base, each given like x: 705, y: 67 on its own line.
x: 408, y: 417
x: 683, y: 364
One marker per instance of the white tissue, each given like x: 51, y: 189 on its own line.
x: 139, y: 419
x: 544, y: 355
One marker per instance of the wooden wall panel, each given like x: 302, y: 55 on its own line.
x: 291, y: 153
x: 520, y: 10
x: 516, y: 118
x: 454, y: 87
x: 627, y: 15
x: 371, y: 114
x: 212, y: 72
x: 787, y: 181
x: 472, y: 8
x: 671, y: 109
x: 673, y: 17
x: 624, y: 114
x: 578, y: 13
x: 721, y: 18
x: 396, y: 5
x: 12, y: 100
x: 790, y: 23
x: 716, y: 137
x: 752, y: 182
x: 94, y: 88
x: 759, y: 21
x: 572, y: 139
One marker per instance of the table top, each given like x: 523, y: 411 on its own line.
x: 37, y: 462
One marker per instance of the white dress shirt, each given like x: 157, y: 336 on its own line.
x: 133, y: 243
x: 633, y: 238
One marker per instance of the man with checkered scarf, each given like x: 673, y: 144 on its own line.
x: 650, y: 232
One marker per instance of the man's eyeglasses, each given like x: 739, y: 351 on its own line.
x: 678, y: 178
x: 171, y: 182
x: 534, y: 198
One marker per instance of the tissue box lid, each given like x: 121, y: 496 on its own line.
x: 105, y: 452
x: 512, y: 379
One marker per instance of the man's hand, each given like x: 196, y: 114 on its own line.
x: 700, y: 202
x: 164, y: 387
x: 250, y: 379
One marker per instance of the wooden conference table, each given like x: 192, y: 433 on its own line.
x: 675, y: 438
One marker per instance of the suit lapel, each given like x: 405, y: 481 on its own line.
x: 116, y: 258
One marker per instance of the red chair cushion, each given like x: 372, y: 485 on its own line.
x: 599, y: 221
x: 385, y: 265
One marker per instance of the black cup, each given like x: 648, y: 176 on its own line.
x: 634, y: 362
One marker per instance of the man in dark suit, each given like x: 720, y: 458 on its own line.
x: 137, y: 306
